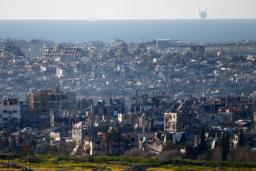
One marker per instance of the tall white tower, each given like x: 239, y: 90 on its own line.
x: 203, y: 14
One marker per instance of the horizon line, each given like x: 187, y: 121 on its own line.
x: 98, y: 19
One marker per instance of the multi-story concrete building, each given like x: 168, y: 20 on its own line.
x: 61, y: 50
x: 171, y: 122
x: 62, y: 104
x: 77, y: 132
x: 10, y: 113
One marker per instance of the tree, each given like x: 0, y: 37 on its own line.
x: 225, y: 146
x: 203, y: 145
x: 4, y: 140
x: 241, y: 139
x: 33, y: 144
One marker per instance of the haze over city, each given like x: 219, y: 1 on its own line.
x: 125, y: 9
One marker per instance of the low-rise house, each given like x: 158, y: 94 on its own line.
x: 54, y: 137
x: 149, y: 142
x: 222, y: 119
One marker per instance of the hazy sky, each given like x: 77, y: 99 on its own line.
x: 125, y: 9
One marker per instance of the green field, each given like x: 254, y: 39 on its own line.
x: 48, y: 163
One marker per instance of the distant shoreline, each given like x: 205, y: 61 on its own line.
x: 77, y: 31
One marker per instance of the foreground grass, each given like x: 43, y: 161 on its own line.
x: 53, y: 163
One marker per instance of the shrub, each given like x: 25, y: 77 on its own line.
x: 62, y: 158
x: 242, y: 155
x: 33, y: 159
x: 104, y: 168
x: 9, y: 156
x: 167, y: 156
x: 137, y: 152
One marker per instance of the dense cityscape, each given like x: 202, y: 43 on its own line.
x: 164, y: 98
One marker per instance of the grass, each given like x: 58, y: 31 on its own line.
x: 63, y: 165
x: 116, y: 163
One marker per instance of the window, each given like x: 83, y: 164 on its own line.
x: 174, y: 126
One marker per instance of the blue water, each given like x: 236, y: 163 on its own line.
x: 132, y: 31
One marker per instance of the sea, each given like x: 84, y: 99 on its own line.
x: 78, y: 31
